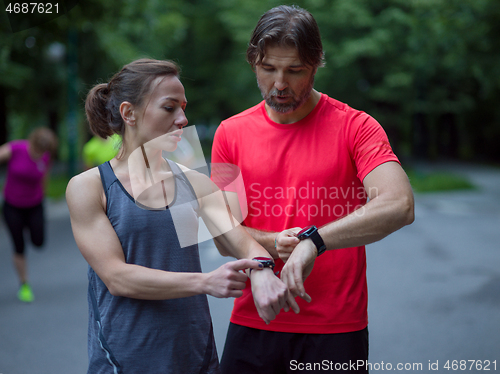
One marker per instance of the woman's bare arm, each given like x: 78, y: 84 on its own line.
x: 100, y: 246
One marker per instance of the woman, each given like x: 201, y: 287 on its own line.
x: 28, y: 166
x: 147, y: 305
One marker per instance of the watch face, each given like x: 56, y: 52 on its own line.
x: 304, y: 230
x: 265, y: 261
x: 311, y: 232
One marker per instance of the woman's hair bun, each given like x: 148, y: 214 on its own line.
x: 97, y: 112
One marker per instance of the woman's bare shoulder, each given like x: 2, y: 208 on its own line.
x: 88, y: 179
x: 85, y: 188
x: 201, y: 183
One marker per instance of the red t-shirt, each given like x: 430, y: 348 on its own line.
x: 308, y: 172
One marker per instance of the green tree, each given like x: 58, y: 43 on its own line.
x: 427, y: 70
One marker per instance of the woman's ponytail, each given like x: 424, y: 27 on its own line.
x: 96, y: 109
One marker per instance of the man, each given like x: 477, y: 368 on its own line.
x: 307, y: 159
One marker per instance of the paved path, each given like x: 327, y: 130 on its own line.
x: 434, y: 286
x: 434, y: 289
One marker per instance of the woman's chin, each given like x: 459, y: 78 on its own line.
x: 169, y: 146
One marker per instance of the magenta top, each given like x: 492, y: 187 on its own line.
x: 24, y: 185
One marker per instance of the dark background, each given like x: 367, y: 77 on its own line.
x: 428, y: 71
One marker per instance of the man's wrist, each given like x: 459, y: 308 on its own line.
x: 273, y: 243
x: 311, y: 233
x: 266, y: 239
x: 311, y: 244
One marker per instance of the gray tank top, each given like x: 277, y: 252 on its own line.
x: 148, y: 336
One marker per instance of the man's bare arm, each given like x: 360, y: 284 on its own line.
x: 391, y: 207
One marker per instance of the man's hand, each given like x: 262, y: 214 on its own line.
x: 270, y: 294
x: 297, y: 269
x: 286, y: 241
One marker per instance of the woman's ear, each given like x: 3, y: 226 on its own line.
x: 127, y: 113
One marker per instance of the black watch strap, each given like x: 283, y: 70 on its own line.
x: 311, y: 232
x: 318, y: 242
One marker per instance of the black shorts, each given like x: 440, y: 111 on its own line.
x: 252, y: 351
x: 19, y: 219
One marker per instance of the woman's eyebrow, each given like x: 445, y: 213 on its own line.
x: 172, y: 99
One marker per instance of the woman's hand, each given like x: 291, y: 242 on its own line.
x: 227, y: 280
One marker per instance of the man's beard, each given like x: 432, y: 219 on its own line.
x: 297, y: 100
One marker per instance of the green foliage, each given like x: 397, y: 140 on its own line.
x: 438, y: 182
x: 11, y: 73
x: 56, y: 187
x: 436, y: 60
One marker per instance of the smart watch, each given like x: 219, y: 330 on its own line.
x: 311, y: 232
x: 266, y: 262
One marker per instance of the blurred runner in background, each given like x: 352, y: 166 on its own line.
x: 27, y: 169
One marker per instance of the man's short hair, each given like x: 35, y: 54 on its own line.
x: 289, y: 26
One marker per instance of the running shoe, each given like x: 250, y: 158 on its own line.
x: 25, y: 293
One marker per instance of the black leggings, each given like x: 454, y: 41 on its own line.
x: 18, y: 219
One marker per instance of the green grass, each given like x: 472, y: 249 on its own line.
x: 438, y: 182
x: 56, y: 186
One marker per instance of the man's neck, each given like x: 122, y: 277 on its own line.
x: 296, y: 115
